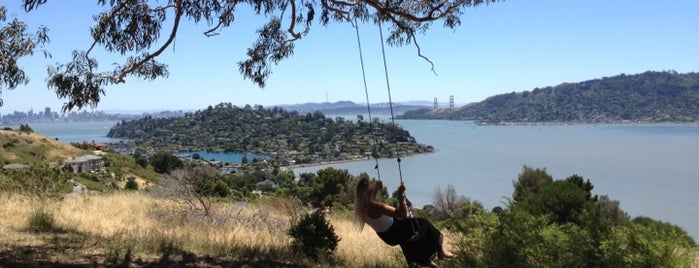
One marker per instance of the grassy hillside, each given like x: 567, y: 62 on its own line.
x: 34, y: 149
x: 647, y: 97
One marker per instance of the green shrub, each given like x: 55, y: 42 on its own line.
x: 41, y: 220
x: 639, y: 245
x: 562, y: 224
x: 221, y: 189
x: 131, y: 184
x: 314, y: 235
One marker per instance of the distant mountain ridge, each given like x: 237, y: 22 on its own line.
x: 352, y: 108
x: 647, y: 97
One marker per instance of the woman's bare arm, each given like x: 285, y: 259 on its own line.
x: 381, y: 208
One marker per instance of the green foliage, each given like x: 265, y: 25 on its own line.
x: 665, y: 229
x: 131, y: 184
x: 40, y: 220
x: 561, y: 224
x: 220, y: 189
x: 647, y: 97
x: 140, y: 160
x: 92, y: 185
x: 530, y: 181
x: 164, y: 162
x: 610, y: 212
x: 562, y: 201
x: 37, y: 182
x: 25, y: 128
x: 640, y: 245
x: 331, y: 187
x: 314, y: 236
x: 126, y: 165
x: 17, y: 42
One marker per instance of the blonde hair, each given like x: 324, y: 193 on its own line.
x: 362, y: 201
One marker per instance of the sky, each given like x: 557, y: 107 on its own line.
x: 499, y: 48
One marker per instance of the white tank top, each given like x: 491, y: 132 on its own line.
x: 380, y: 224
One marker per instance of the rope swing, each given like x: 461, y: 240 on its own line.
x: 414, y: 224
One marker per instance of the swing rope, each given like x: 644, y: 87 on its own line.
x: 368, y: 106
x: 390, y: 101
x: 413, y: 224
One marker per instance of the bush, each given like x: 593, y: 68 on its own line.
x: 221, y: 189
x: 131, y: 184
x: 562, y: 224
x: 314, y: 235
x: 164, y: 162
x: 25, y: 128
x: 40, y: 220
x: 639, y: 245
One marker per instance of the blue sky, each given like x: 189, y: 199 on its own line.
x: 499, y: 48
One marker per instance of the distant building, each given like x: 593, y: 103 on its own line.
x: 85, y: 163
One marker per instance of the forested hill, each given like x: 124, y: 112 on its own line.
x: 305, y: 138
x: 647, y: 97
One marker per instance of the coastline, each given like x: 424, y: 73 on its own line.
x: 323, y: 163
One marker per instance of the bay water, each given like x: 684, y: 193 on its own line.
x: 652, y: 169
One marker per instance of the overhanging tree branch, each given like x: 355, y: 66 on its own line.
x: 133, y: 26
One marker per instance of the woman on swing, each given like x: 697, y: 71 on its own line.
x: 419, y: 240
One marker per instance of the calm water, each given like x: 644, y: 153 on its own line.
x: 229, y: 157
x: 653, y: 170
x: 68, y: 132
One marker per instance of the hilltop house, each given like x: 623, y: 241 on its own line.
x: 85, y: 163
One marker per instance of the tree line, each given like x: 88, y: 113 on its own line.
x: 647, y: 97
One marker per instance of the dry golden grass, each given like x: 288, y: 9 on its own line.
x: 13, y: 215
x: 143, y: 225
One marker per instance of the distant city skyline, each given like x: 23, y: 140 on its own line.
x: 499, y: 48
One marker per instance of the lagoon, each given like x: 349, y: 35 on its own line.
x: 229, y: 157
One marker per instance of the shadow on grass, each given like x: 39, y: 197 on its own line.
x: 68, y: 248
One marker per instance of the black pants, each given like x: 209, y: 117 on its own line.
x: 419, y: 240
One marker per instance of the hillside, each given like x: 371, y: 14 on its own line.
x: 647, y: 97
x: 351, y: 108
x: 287, y: 135
x: 34, y: 149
